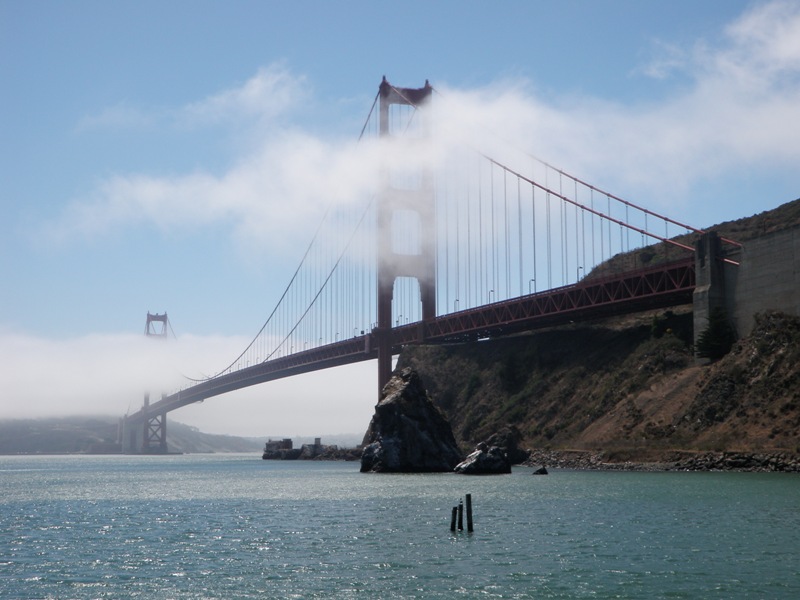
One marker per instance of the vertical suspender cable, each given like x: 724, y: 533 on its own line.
x: 468, y: 274
x: 533, y: 231
x: 591, y: 203
x: 577, y: 237
x: 627, y: 231
x: 608, y: 212
x: 507, y: 234
x: 458, y: 248
x: 549, y: 237
x: 446, y: 228
x: 519, y: 233
x: 494, y: 243
x: 482, y: 252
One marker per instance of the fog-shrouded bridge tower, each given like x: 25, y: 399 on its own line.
x: 151, y: 436
x: 416, y: 198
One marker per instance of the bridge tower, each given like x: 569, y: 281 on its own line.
x: 154, y: 428
x: 417, y: 199
x: 151, y: 329
x: 151, y: 431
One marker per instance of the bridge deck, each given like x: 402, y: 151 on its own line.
x: 646, y: 289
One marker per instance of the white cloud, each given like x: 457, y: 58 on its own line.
x: 98, y: 373
x: 765, y: 43
x: 265, y: 199
x: 271, y: 92
x: 670, y: 58
x: 741, y: 111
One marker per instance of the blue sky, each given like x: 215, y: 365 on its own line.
x: 146, y: 153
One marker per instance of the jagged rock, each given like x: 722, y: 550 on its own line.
x: 486, y: 460
x: 540, y: 471
x: 408, y: 434
x: 508, y: 438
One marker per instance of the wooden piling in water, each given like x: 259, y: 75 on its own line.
x: 458, y: 513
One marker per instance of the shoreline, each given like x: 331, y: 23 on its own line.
x: 676, y: 460
x: 749, y: 462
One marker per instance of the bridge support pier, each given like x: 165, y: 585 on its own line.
x: 155, y: 434
x: 710, y: 291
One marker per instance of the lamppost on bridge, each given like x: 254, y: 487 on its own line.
x: 529, y: 286
x: 578, y: 274
x: 455, y: 305
x: 491, y: 297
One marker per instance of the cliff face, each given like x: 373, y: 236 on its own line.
x: 629, y: 387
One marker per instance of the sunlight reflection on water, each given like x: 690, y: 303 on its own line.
x: 224, y: 526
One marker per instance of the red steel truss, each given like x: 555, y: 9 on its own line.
x: 666, y: 285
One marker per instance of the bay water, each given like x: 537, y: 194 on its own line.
x: 235, y: 526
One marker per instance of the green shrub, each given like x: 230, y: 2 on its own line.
x: 717, y: 339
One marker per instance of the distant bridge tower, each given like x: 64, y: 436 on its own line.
x: 154, y: 433
x: 149, y: 435
x: 416, y: 199
x: 151, y: 327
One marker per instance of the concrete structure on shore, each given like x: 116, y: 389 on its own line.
x: 766, y: 278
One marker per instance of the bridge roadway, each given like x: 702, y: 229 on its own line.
x: 663, y: 286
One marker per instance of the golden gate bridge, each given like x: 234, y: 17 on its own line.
x: 453, y: 245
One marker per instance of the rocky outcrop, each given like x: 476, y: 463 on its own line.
x: 408, y: 434
x: 486, y: 460
x: 508, y: 439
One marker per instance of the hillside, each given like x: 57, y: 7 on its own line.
x: 629, y: 387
